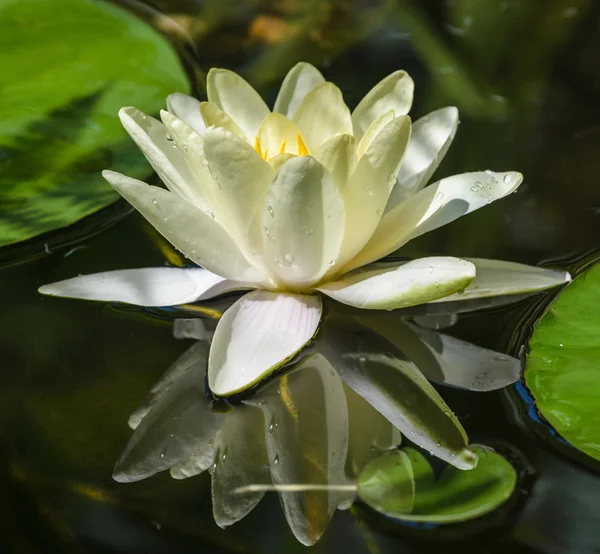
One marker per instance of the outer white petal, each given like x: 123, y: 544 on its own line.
x: 188, y: 228
x: 153, y: 286
x: 186, y: 108
x: 431, y: 137
x: 391, y: 286
x: 303, y: 222
x: 367, y: 191
x: 433, y: 207
x: 299, y: 81
x: 257, y: 335
x: 241, y: 460
x: 394, y: 92
x: 241, y: 178
x: 375, y: 370
x: 499, y: 278
x: 214, y: 116
x: 445, y: 359
x: 306, y: 432
x: 322, y: 114
x: 166, y: 159
x: 237, y: 98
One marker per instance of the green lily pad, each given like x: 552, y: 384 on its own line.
x: 456, y: 496
x: 563, y: 364
x: 65, y: 74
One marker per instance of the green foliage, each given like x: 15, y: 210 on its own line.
x: 563, y: 365
x: 65, y: 74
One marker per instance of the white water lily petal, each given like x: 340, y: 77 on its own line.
x: 306, y: 432
x: 186, y: 108
x: 214, y: 116
x: 276, y: 135
x: 431, y: 137
x: 390, y: 286
x: 257, y: 335
x: 499, y: 278
x: 303, y: 222
x: 368, y: 189
x: 433, y: 207
x: 189, y: 229
x: 236, y: 97
x: 338, y: 156
x: 241, y: 178
x: 151, y: 137
x: 153, y: 286
x: 241, y: 460
x: 178, y: 419
x: 444, y: 359
x: 394, y: 92
x: 372, y: 131
x: 322, y: 114
x: 299, y: 81
x: 394, y: 387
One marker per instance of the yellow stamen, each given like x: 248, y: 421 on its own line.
x: 302, y: 150
x: 257, y: 145
x: 282, y: 147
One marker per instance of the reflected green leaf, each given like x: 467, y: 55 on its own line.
x: 455, y: 496
x: 65, y: 74
x: 563, y: 365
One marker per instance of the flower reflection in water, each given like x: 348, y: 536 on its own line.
x: 352, y: 396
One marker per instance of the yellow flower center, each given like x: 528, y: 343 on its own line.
x: 301, y: 148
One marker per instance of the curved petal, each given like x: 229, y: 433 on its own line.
x: 394, y: 92
x: 372, y: 131
x: 258, y: 334
x: 241, y: 178
x: 322, y: 114
x: 431, y: 137
x: 498, y: 278
x: 445, y: 359
x: 391, y: 286
x: 153, y: 286
x: 179, y: 419
x: 299, y: 81
x: 241, y: 460
x: 277, y: 135
x: 434, y: 206
x: 186, y: 108
x: 396, y: 388
x: 302, y: 222
x: 214, y: 116
x: 338, y: 156
x: 164, y: 155
x: 237, y: 99
x: 367, y: 191
x: 306, y: 431
x: 189, y: 229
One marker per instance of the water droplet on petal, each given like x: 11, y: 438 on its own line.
x: 287, y: 260
x: 276, y: 459
x: 154, y: 201
x: 507, y: 179
x: 439, y: 196
x: 270, y: 210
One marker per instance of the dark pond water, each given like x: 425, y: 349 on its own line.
x: 527, y: 83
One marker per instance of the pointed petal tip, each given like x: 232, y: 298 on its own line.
x: 466, y: 460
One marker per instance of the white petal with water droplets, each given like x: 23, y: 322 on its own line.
x: 186, y: 108
x: 189, y: 229
x: 299, y: 81
x: 394, y: 92
x: 433, y: 207
x: 322, y: 114
x: 153, y: 286
x: 431, y: 137
x: 391, y: 286
x: 303, y: 222
x: 166, y: 158
x: 257, y: 335
x: 499, y: 278
x: 237, y: 99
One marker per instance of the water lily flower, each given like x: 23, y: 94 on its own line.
x: 296, y: 203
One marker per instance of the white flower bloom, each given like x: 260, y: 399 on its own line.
x: 297, y: 202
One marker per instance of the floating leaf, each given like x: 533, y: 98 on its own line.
x: 65, y: 74
x: 563, y: 364
x: 455, y: 496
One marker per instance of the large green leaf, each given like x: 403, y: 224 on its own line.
x: 563, y: 365
x: 394, y: 482
x: 65, y: 74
